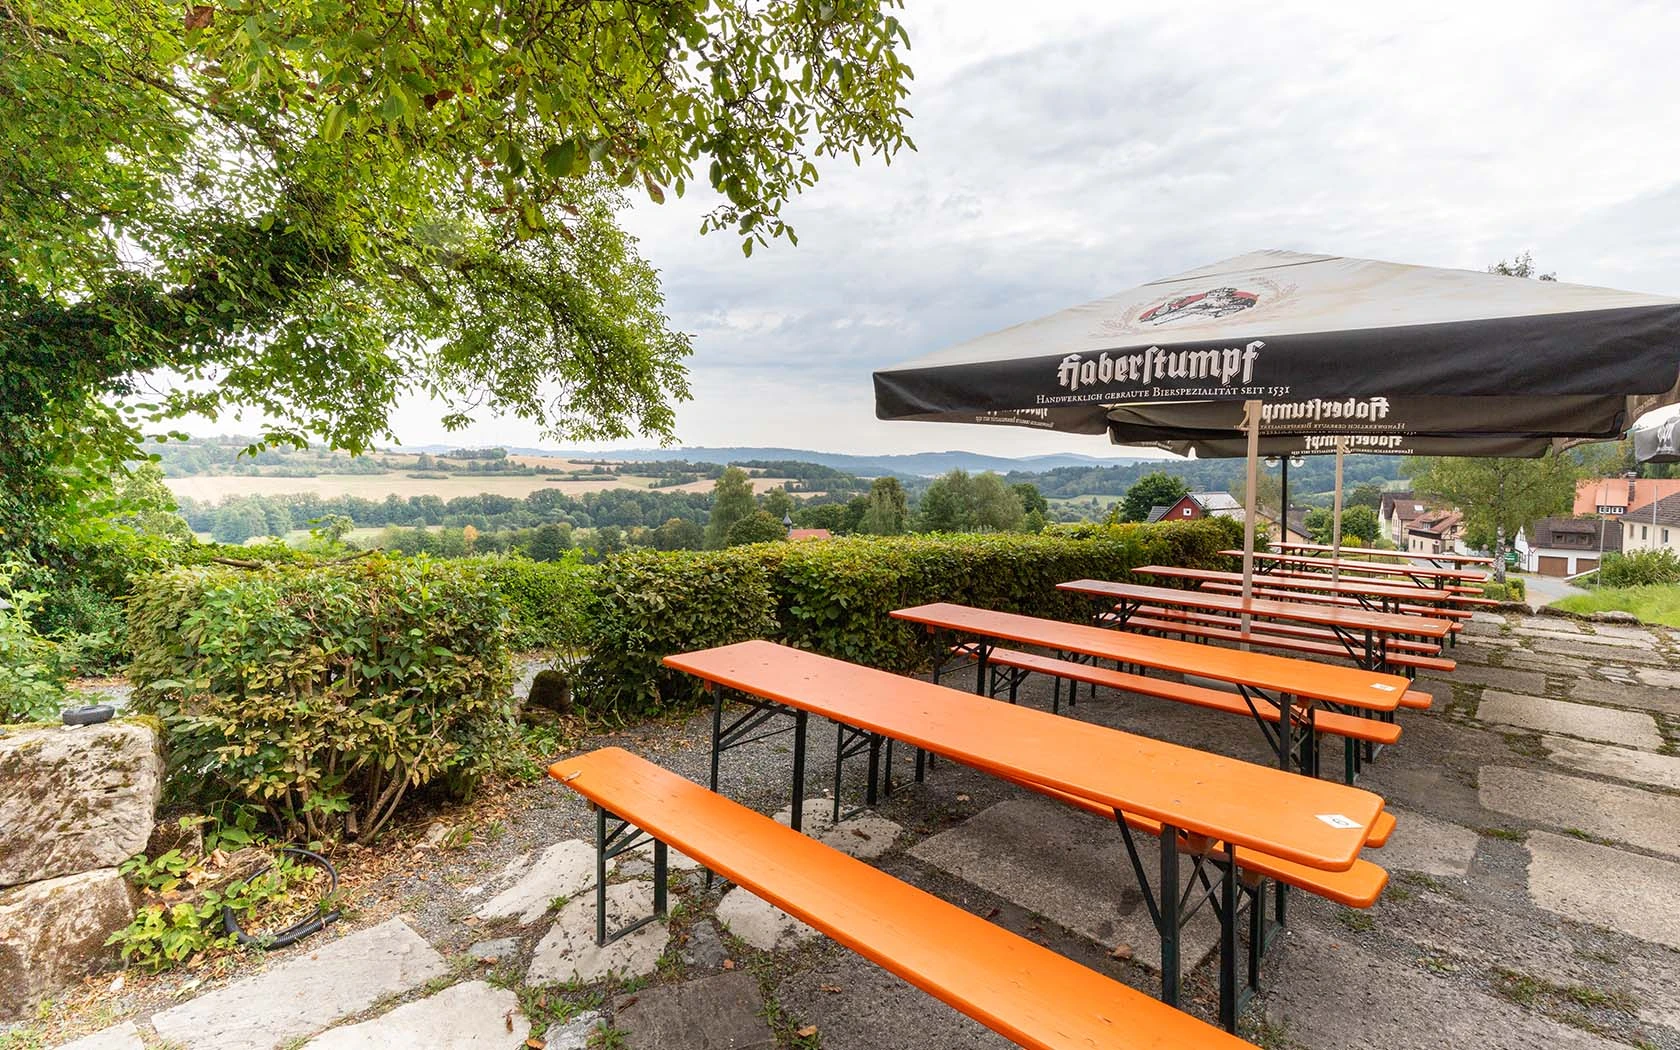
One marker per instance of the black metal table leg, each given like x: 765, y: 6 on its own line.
x: 797, y: 819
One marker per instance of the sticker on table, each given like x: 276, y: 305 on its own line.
x: 1384, y: 688
x: 1336, y: 820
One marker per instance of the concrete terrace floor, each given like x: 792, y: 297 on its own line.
x: 1534, y: 898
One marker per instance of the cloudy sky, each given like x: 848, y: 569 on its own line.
x: 1070, y: 149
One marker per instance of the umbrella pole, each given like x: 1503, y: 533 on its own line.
x: 1252, y: 410
x: 1336, y: 527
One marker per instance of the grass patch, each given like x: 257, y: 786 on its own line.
x: 1525, y: 989
x: 1357, y: 921
x: 1508, y: 834
x: 1651, y: 603
x: 1527, y: 744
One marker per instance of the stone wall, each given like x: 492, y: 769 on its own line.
x: 75, y: 802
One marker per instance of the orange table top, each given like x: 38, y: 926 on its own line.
x: 1283, y: 674
x: 1398, y: 569
x: 1313, y: 822
x: 1025, y: 992
x: 1303, y: 582
x: 1456, y: 559
x: 1350, y: 618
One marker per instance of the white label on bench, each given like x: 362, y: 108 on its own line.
x: 1384, y: 688
x: 1336, y: 820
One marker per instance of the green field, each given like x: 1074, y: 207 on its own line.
x: 1653, y: 603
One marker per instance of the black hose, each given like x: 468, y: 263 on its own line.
x: 293, y: 934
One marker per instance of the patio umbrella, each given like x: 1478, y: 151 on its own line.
x: 1656, y: 438
x: 1293, y: 328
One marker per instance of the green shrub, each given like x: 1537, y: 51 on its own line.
x: 1516, y: 589
x: 835, y: 596
x: 651, y: 604
x: 325, y: 692
x: 548, y: 601
x: 31, y: 679
x: 1639, y: 569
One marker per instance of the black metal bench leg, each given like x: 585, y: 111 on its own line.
x: 600, y: 876
x: 870, y: 794
x: 1167, y: 893
x: 796, y: 819
x: 1228, y: 941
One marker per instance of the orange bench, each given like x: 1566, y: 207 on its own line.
x: 1438, y: 612
x: 1304, y: 820
x: 1349, y: 727
x: 1167, y: 622
x: 1020, y: 990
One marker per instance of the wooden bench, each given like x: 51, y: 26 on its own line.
x: 1304, y: 820
x: 1438, y: 612
x: 1170, y: 623
x: 1021, y: 990
x: 1349, y: 727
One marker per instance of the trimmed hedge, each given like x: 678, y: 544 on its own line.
x: 548, y: 602
x: 650, y: 604
x: 324, y: 693
x: 834, y: 596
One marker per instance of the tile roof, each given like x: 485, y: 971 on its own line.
x: 1599, y: 532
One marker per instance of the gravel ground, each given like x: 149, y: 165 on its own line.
x: 1465, y: 960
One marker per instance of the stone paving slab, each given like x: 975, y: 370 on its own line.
x: 1661, y: 677
x: 1515, y: 680
x: 1609, y: 811
x: 1640, y: 767
x: 564, y: 869
x: 760, y: 923
x: 1326, y: 993
x: 1645, y: 698
x: 1420, y: 843
x: 1587, y: 721
x: 856, y: 1005
x: 714, y: 1013
x: 1615, y: 650
x: 470, y: 1016
x: 318, y: 985
x: 576, y: 1034
x: 1548, y: 625
x: 124, y: 1036
x: 569, y: 953
x: 1069, y: 867
x: 1587, y: 882
x: 1546, y: 663
x: 866, y: 835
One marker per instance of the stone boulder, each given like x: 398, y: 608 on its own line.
x: 74, y: 799
x: 52, y: 934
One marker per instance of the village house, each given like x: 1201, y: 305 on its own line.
x: 1434, y: 532
x: 1396, y: 513
x: 1567, y: 546
x: 1613, y: 497
x: 1656, y: 526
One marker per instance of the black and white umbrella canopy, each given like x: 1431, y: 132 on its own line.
x: 1288, y: 327
x: 1656, y: 438
x: 1226, y: 446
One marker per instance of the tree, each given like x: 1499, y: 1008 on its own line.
x: 550, y: 543
x: 758, y: 527
x: 1158, y: 489
x: 148, y: 507
x: 1360, y: 525
x: 995, y: 506
x: 679, y: 534
x: 310, y: 209
x: 1364, y: 494
x: 732, y: 500
x: 888, y: 508
x: 1031, y: 499
x: 777, y: 503
x: 1520, y: 266
x: 1499, y: 497
x: 946, y: 506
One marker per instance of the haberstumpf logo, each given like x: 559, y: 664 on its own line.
x: 1215, y: 302
x: 1227, y: 365
x: 1319, y: 410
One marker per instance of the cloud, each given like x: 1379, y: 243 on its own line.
x: 1071, y: 150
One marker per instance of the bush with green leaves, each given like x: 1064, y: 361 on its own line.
x: 1640, y: 568
x: 31, y: 677
x: 549, y: 602
x: 325, y: 693
x: 835, y: 596
x: 650, y: 604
